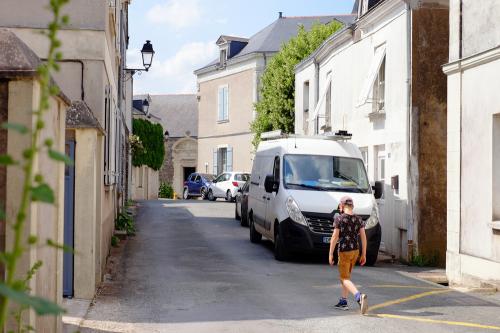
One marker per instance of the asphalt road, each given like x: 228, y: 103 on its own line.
x: 192, y: 268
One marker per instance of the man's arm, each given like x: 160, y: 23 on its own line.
x: 362, y: 234
x: 333, y: 242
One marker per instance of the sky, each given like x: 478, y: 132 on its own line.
x: 183, y: 33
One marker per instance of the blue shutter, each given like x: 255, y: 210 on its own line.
x: 220, y: 110
x: 226, y: 104
x: 229, y: 159
x: 214, y: 162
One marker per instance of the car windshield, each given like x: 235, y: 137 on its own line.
x: 325, y: 173
x: 241, y: 177
x: 208, y: 177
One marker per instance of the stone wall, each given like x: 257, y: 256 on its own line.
x: 167, y: 170
x: 429, y: 121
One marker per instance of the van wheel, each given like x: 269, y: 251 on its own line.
x: 185, y: 193
x: 211, y: 196
x: 243, y: 219
x: 280, y: 250
x: 255, y: 237
x: 236, y: 216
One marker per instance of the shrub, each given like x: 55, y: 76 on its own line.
x: 152, y: 151
x: 114, y: 241
x: 166, y: 191
x: 126, y: 223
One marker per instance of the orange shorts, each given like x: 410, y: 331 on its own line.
x: 347, y: 260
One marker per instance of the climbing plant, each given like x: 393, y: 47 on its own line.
x: 276, y: 108
x: 15, y: 286
x: 153, y: 151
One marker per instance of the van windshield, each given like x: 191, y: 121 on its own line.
x: 325, y: 173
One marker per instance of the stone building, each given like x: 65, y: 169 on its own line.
x: 380, y: 78
x: 19, y: 96
x: 178, y: 114
x: 92, y: 73
x: 473, y: 246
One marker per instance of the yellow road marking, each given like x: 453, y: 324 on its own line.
x: 435, y: 321
x: 409, y: 298
x: 403, y: 286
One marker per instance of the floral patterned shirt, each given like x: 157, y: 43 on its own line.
x: 349, y: 226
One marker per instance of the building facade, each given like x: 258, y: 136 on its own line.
x: 228, y: 88
x: 473, y: 246
x: 92, y: 73
x: 380, y: 80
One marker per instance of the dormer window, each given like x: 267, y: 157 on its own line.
x: 367, y: 5
x: 223, y: 57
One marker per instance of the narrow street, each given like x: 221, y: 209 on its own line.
x: 191, y: 268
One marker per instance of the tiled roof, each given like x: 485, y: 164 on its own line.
x: 178, y: 113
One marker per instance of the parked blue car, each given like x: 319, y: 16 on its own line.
x: 196, y: 185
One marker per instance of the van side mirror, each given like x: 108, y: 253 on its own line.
x: 378, y: 189
x: 270, y: 185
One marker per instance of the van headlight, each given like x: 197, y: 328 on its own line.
x: 373, y: 220
x: 294, y: 211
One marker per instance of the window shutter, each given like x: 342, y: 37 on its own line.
x: 229, y: 159
x: 220, y: 110
x: 226, y: 104
x: 214, y: 162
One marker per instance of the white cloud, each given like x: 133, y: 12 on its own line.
x: 174, y: 74
x: 178, y: 14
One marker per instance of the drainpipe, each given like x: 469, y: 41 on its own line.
x: 409, y: 142
x: 82, y: 65
x: 316, y: 95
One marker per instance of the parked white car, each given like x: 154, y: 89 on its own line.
x: 226, y: 185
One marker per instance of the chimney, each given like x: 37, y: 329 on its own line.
x: 280, y: 14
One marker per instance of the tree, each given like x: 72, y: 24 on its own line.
x: 275, y: 110
x: 151, y: 137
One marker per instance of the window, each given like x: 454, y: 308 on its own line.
x: 223, y: 107
x: 381, y: 167
x: 379, y: 89
x: 107, y: 138
x: 496, y: 167
x: 328, y: 105
x: 222, y: 160
x: 305, y: 100
x: 276, y: 169
x: 223, y: 57
x: 197, y: 179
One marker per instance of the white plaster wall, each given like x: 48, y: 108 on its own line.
x: 349, y: 65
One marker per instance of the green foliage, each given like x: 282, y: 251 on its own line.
x: 125, y: 222
x: 166, y: 191
x: 151, y: 137
x: 275, y: 110
x: 421, y: 260
x: 115, y: 241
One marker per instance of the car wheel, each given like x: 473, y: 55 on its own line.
x: 255, y: 237
x: 372, y: 253
x: 211, y: 196
x: 203, y: 193
x: 185, y: 193
x: 229, y: 197
x: 236, y: 216
x: 280, y: 250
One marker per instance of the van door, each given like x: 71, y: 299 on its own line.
x: 257, y: 192
x: 271, y: 197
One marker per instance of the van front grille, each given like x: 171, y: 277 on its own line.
x: 320, y: 225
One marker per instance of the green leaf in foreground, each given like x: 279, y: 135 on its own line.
x: 41, y: 306
x: 15, y: 127
x: 7, y: 160
x: 42, y: 193
x: 55, y: 155
x: 58, y: 246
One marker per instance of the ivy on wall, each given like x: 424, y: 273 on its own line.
x: 151, y: 136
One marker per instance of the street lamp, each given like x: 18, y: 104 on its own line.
x: 147, y: 58
x: 145, y: 106
x: 147, y: 54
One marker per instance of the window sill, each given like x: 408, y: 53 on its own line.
x: 222, y: 121
x: 376, y: 114
x: 495, y: 225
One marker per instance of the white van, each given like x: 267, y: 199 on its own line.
x: 295, y: 188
